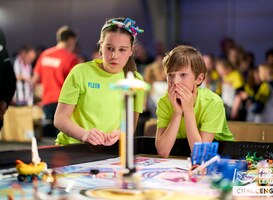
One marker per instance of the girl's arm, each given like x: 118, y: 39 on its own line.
x: 63, y: 122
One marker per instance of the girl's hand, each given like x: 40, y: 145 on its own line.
x: 175, y: 100
x: 111, y: 138
x: 95, y: 137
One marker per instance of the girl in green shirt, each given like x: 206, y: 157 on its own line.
x: 88, y: 110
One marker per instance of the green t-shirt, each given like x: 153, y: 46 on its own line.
x: 97, y: 106
x: 209, y: 114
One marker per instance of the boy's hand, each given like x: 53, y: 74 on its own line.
x: 175, y: 100
x: 95, y: 137
x: 111, y: 138
x: 187, y: 97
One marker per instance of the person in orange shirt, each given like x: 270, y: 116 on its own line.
x: 51, y: 69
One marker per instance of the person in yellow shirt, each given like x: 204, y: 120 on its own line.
x: 212, y: 80
x: 231, y: 86
x: 262, y: 105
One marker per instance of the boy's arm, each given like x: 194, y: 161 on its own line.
x: 165, y: 137
x: 192, y: 131
x: 188, y: 99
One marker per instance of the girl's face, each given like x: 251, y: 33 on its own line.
x: 116, y: 49
x: 186, y: 77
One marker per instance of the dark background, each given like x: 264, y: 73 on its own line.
x: 202, y: 23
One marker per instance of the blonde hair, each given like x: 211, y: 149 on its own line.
x: 267, y: 72
x: 184, y: 56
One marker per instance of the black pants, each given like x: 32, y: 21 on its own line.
x: 241, y: 113
x: 50, y: 130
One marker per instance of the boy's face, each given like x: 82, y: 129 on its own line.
x: 186, y: 77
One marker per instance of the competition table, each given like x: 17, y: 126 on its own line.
x: 74, y: 163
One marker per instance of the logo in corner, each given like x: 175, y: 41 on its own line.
x: 244, y: 177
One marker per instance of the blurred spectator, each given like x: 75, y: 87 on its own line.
x: 51, y: 69
x: 234, y: 56
x: 7, y: 78
x: 154, y: 74
x: 78, y: 52
x: 142, y: 58
x: 232, y: 84
x: 23, y: 71
x: 95, y: 54
x: 269, y: 57
x: 39, y: 50
x: 251, y: 87
x: 160, y: 48
x: 225, y: 45
x: 263, y: 99
x: 246, y: 64
x: 212, y: 80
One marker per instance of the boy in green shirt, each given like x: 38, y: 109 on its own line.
x: 187, y: 111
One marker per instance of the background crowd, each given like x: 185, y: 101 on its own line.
x: 245, y: 87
